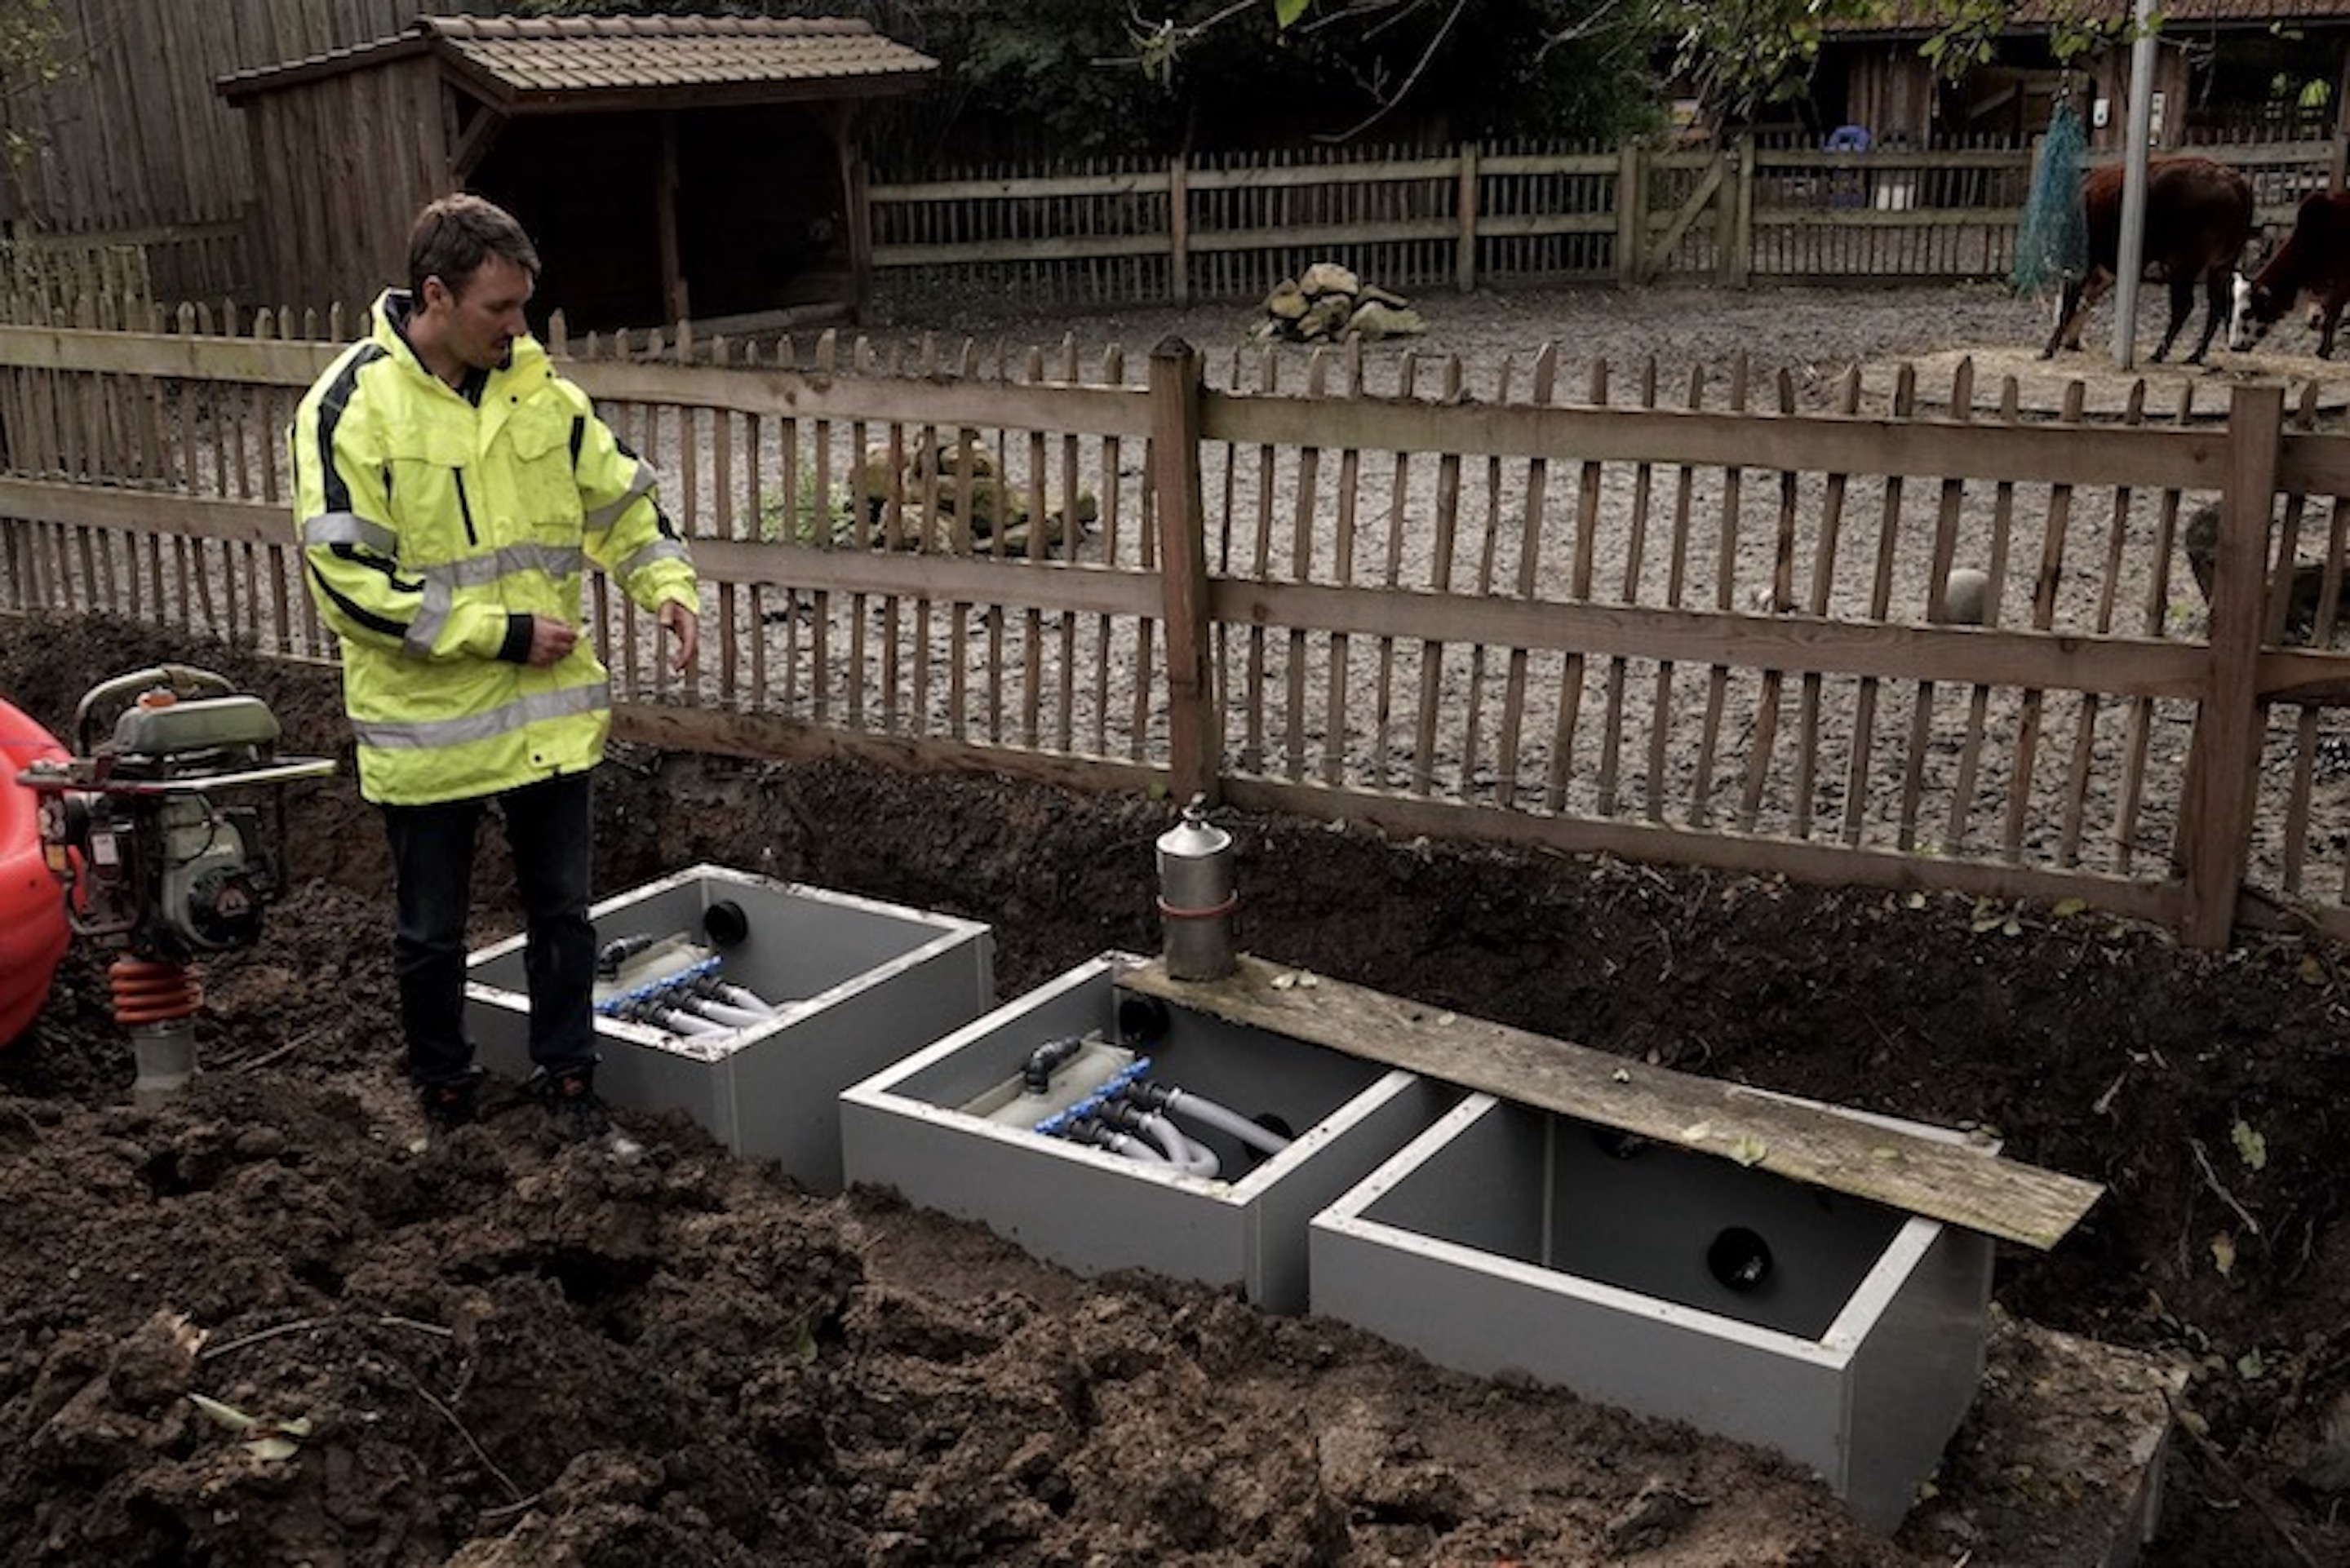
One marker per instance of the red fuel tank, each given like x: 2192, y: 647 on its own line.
x: 33, y: 930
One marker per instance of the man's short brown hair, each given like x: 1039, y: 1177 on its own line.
x: 454, y: 235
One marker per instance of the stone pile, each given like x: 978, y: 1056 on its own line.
x: 951, y: 497
x: 1328, y: 304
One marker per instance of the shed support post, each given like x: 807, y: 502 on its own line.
x: 1179, y: 230
x: 673, y: 268
x: 2334, y: 165
x: 856, y: 205
x: 1464, y: 263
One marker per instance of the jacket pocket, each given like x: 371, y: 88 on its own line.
x: 426, y: 464
x: 546, y: 491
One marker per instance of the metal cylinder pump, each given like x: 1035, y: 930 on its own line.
x: 1196, y: 900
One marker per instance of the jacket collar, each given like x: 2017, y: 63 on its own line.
x: 389, y: 328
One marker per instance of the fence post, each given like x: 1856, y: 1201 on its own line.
x: 1734, y: 241
x: 1631, y: 214
x: 1464, y: 259
x: 1194, y: 732
x: 2215, y: 816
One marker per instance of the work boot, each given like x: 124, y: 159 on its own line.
x: 448, y: 1106
x: 576, y: 1114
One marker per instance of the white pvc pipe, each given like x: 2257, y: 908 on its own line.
x: 678, y: 1021
x: 1183, y: 1103
x: 1195, y: 1159
x: 1133, y: 1148
x: 742, y: 996
x: 732, y: 1017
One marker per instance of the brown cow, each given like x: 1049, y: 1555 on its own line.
x: 2314, y: 259
x: 2198, y: 215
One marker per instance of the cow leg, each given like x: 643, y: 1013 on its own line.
x: 2219, y: 296
x: 2182, y: 300
x: 2068, y: 318
x: 2334, y: 300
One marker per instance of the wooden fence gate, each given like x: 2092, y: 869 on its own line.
x: 1679, y: 216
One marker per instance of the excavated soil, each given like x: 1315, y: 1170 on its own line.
x: 504, y: 1352
x: 507, y: 1353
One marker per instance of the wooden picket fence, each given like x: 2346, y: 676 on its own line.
x: 1131, y: 233
x: 1715, y: 623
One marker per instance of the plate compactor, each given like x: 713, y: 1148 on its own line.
x: 158, y: 864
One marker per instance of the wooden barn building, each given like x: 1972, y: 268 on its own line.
x: 670, y: 168
x: 2225, y: 70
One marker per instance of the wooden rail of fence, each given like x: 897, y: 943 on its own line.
x: 1710, y: 623
x: 1131, y: 233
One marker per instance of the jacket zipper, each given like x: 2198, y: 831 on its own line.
x: 465, y: 509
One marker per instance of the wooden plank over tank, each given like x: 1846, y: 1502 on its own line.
x: 1956, y: 1183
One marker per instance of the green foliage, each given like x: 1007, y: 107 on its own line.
x: 1745, y: 54
x: 31, y: 41
x: 806, y: 516
x: 33, y: 53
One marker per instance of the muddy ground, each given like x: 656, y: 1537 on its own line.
x: 505, y: 1353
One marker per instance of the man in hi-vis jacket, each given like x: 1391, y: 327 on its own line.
x: 450, y: 489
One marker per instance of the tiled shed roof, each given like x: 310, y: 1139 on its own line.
x: 556, y: 58
x: 553, y: 54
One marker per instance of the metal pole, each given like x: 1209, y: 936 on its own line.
x: 2129, y: 262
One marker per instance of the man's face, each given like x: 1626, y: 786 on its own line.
x: 479, y: 323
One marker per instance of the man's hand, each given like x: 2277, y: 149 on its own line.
x: 681, y: 623
x: 551, y: 641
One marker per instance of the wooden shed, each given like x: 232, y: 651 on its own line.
x: 2219, y: 67
x: 669, y: 168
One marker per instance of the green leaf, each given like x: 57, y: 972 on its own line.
x: 2251, y: 1147
x: 228, y: 1415
x: 1284, y: 11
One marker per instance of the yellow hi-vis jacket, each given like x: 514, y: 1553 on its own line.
x: 433, y: 526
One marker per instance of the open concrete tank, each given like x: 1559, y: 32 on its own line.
x: 750, y: 1004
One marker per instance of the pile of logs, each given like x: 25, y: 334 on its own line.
x: 1329, y: 303
x: 953, y: 499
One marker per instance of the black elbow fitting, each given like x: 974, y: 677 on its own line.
x: 1147, y: 1094
x: 617, y: 951
x: 1047, y: 1059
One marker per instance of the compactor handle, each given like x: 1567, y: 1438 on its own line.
x: 180, y: 680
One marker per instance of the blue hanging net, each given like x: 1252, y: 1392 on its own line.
x: 2051, y: 244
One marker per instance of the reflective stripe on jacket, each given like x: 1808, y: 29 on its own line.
x: 432, y: 526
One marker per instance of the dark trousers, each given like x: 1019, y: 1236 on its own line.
x: 550, y: 828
